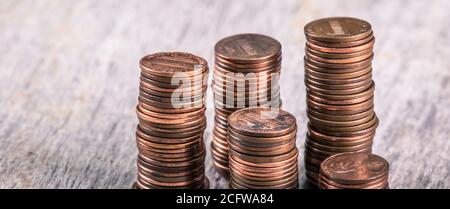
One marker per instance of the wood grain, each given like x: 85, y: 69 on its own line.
x: 69, y: 81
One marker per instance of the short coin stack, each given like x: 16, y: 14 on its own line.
x: 172, y: 119
x: 354, y: 171
x: 340, y: 90
x: 263, y: 154
x: 245, y: 66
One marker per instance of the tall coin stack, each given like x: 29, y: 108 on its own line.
x: 354, y: 171
x: 245, y: 66
x: 263, y: 154
x: 340, y: 90
x: 171, y: 115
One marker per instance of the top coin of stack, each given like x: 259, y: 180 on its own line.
x: 340, y: 90
x: 172, y: 119
x: 354, y: 171
x: 245, y: 75
x: 263, y: 154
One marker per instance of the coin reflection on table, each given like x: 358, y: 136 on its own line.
x: 172, y: 120
x: 340, y: 90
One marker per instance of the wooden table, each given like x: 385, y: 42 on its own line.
x: 69, y: 81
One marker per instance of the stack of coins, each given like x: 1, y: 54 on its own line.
x: 354, y: 171
x: 246, y: 71
x: 340, y: 90
x: 171, y: 115
x: 263, y: 154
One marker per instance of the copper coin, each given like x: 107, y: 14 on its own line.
x: 353, y: 108
x: 337, y: 55
x: 168, y: 63
x: 263, y: 172
x: 354, y: 168
x: 338, y: 139
x: 345, y: 50
x: 363, y: 77
x: 341, y: 44
x: 339, y: 102
x: 329, y: 148
x: 311, y: 67
x: 346, y: 129
x: 262, y: 122
x: 180, y: 82
x: 325, y: 122
x: 338, y: 29
x: 233, y: 65
x: 247, y: 48
x: 348, y: 86
x: 336, y: 97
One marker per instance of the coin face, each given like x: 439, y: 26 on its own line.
x: 354, y: 166
x: 261, y: 122
x: 338, y: 29
x: 247, y: 47
x: 168, y: 63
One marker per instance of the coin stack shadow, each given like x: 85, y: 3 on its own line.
x: 249, y: 59
x: 340, y: 90
x: 169, y: 136
x: 263, y: 154
x: 354, y: 171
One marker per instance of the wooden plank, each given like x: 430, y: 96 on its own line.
x: 69, y: 80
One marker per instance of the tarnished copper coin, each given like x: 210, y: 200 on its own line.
x: 361, y: 170
x: 338, y: 29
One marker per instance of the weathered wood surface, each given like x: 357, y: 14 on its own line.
x: 69, y: 81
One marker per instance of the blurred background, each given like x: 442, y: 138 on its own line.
x: 69, y: 80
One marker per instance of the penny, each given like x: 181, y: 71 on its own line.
x: 336, y: 97
x: 341, y: 44
x: 262, y: 141
x: 261, y: 152
x: 312, y: 87
x: 231, y: 65
x: 346, y: 129
x: 353, y: 108
x: 324, y: 122
x: 343, y: 50
x: 338, y: 29
x: 376, y: 184
x: 290, y: 177
x: 361, y: 170
x: 168, y: 63
x: 255, y: 171
x: 333, y: 148
x: 346, y: 139
x: 315, y: 98
x: 359, y: 64
x: 335, y: 78
x: 343, y: 72
x: 247, y: 48
x: 337, y: 55
x: 262, y: 122
x: 175, y: 82
x: 348, y: 86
